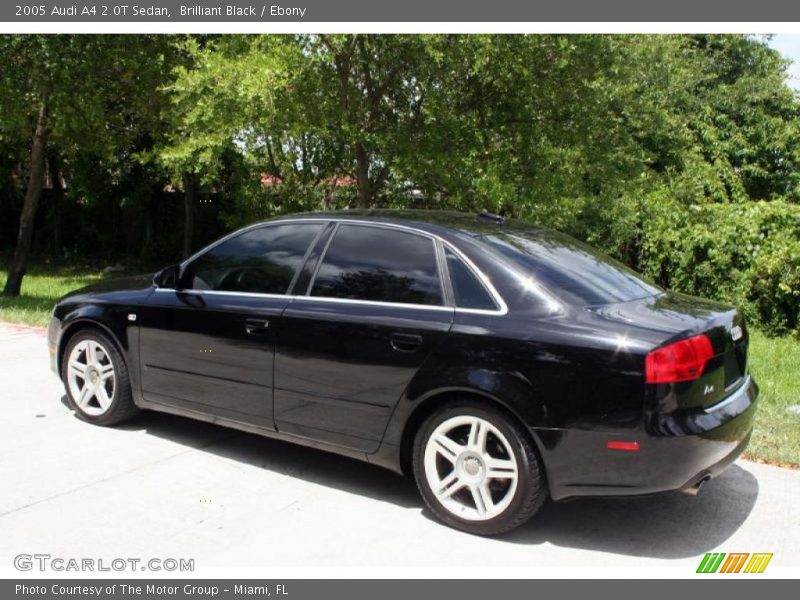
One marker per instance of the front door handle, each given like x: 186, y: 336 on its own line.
x: 405, y: 342
x: 256, y: 326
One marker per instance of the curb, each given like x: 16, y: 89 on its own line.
x: 21, y: 328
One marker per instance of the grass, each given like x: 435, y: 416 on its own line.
x: 41, y: 287
x: 775, y: 365
x: 774, y: 362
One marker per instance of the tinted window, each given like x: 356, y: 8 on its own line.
x: 375, y: 263
x: 566, y: 266
x: 468, y: 290
x: 262, y: 260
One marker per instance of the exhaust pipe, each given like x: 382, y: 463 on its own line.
x: 695, y: 489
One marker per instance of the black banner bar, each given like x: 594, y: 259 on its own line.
x: 406, y: 11
x: 349, y: 589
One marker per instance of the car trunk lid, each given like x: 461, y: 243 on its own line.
x: 669, y: 318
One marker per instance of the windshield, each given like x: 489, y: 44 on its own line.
x: 566, y: 266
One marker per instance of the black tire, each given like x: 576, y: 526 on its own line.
x: 531, y: 491
x: 122, y: 407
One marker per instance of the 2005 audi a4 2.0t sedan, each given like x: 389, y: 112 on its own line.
x: 495, y: 362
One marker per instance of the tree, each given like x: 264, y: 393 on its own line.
x: 84, y: 94
x: 368, y: 95
x: 744, y: 117
x: 308, y: 109
x: 35, y: 179
x: 221, y: 99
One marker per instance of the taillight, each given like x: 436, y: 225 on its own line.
x: 617, y: 445
x: 681, y: 361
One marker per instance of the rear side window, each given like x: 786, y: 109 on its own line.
x: 469, y: 291
x: 379, y: 264
x: 261, y: 260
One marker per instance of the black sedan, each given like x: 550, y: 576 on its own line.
x: 495, y: 362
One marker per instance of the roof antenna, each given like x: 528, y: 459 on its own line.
x: 490, y: 216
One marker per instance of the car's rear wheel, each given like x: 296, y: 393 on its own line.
x: 477, y: 469
x: 96, y: 379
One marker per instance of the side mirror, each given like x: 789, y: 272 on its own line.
x: 168, y: 277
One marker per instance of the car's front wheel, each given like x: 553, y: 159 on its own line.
x: 96, y: 379
x: 477, y: 469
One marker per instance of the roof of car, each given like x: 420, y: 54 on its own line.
x: 433, y: 221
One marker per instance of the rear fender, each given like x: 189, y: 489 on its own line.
x: 511, y: 390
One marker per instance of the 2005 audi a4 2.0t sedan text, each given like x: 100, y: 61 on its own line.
x: 494, y: 362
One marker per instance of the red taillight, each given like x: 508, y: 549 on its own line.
x: 617, y: 445
x: 681, y: 361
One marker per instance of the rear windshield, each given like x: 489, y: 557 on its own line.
x: 568, y: 267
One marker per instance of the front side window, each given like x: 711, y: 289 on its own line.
x: 260, y: 261
x: 379, y: 264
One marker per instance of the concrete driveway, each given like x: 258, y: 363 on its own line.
x: 165, y: 486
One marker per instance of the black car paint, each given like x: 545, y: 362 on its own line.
x: 196, y: 353
x: 356, y: 378
x: 364, y: 356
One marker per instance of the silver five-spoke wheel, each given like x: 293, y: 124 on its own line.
x: 471, y: 468
x: 91, y: 378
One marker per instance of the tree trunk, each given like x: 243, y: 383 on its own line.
x: 329, y: 189
x: 151, y: 207
x: 58, y: 202
x: 362, y: 176
x: 19, y: 262
x: 148, y: 233
x: 189, y: 184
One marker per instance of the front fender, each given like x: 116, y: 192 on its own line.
x: 113, y: 320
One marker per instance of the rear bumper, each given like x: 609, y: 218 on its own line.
x: 694, y: 446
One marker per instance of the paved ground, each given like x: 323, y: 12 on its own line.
x: 166, y: 486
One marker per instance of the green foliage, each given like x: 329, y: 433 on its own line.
x: 748, y: 254
x: 775, y: 364
x: 97, y: 88
x: 222, y: 97
x: 746, y: 117
x: 103, y: 108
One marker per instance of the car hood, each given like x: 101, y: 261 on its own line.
x: 133, y: 283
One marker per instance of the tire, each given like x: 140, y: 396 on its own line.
x: 484, y: 492
x: 108, y: 399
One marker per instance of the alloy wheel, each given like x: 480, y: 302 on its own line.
x: 471, y: 468
x: 91, y: 377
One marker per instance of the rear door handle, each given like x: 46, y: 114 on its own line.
x: 256, y: 326
x: 405, y: 342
